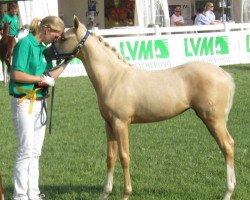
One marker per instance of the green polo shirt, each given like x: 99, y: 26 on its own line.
x: 28, y: 57
x: 14, y: 23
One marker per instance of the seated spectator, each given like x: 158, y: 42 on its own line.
x: 201, y: 18
x: 176, y: 18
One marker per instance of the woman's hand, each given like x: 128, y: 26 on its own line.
x: 50, y: 81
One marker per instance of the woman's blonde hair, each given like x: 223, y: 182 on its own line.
x: 208, y: 4
x: 177, y: 8
x: 53, y: 22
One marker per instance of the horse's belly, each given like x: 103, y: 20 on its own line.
x: 158, y: 112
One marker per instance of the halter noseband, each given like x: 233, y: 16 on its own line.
x: 74, y: 52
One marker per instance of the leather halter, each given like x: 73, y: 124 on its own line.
x: 74, y: 52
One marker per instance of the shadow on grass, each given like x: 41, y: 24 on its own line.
x: 78, y: 192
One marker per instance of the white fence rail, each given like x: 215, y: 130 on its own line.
x: 156, y: 30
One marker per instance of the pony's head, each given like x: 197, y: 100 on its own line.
x: 69, y: 44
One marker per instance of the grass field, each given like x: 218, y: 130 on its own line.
x: 173, y: 160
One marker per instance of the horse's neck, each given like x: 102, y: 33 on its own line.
x: 99, y: 61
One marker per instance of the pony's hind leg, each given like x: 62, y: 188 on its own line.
x: 213, y: 108
x: 5, y: 73
x: 228, y: 151
x: 219, y: 131
x: 111, y: 159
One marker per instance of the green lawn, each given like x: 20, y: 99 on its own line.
x: 173, y: 160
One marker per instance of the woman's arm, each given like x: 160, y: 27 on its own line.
x: 23, y: 77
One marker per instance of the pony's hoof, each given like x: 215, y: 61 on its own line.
x: 227, y: 197
x: 125, y: 197
x: 103, y: 196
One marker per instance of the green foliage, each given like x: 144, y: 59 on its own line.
x: 174, y: 159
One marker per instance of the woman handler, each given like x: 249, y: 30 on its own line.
x: 29, y: 83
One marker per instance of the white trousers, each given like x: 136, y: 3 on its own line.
x: 30, y: 136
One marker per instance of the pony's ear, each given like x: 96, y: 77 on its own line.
x: 76, y: 22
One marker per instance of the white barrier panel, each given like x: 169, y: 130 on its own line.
x: 244, y: 47
x: 165, y: 51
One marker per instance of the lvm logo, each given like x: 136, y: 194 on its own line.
x: 144, y: 49
x: 206, y: 46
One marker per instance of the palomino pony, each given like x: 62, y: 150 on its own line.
x: 128, y: 95
x: 7, y: 44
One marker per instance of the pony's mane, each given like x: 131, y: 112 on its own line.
x: 112, y: 48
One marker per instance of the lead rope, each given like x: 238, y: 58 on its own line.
x: 51, y: 108
x: 43, y: 112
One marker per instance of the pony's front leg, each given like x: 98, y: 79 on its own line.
x: 111, y: 158
x: 121, y: 130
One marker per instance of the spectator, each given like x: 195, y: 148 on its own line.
x: 210, y: 13
x: 201, y: 18
x: 176, y: 18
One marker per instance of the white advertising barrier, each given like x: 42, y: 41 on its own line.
x: 165, y: 51
x: 244, y: 47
